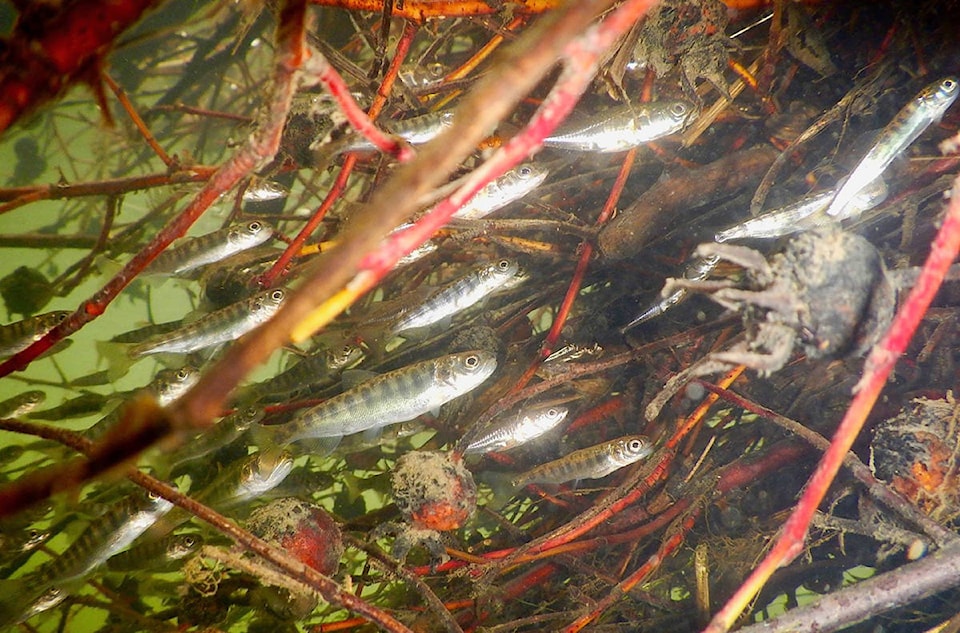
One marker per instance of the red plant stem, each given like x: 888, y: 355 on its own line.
x: 325, y: 586
x: 270, y: 277
x: 597, y: 413
x: 264, y: 144
x: 422, y: 10
x: 358, y: 119
x: 19, y: 196
x: 629, y: 491
x: 138, y: 121
x: 581, y: 57
x: 878, y: 366
x: 586, y: 252
x: 403, y: 47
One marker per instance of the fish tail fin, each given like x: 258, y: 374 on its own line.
x: 503, y: 487
x: 118, y: 358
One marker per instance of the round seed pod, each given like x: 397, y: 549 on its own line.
x: 434, y: 490
x: 302, y: 529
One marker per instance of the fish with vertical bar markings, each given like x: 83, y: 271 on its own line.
x: 21, y: 404
x: 221, y: 326
x: 246, y: 479
x: 166, y: 387
x: 498, y: 193
x: 223, y: 433
x: 397, y: 396
x: 924, y: 109
x: 319, y: 370
x: 593, y: 462
x: 116, y: 529
x: 210, y: 248
x: 625, y: 127
x: 155, y: 556
x: 457, y: 296
x: 18, y: 336
x: 514, y: 429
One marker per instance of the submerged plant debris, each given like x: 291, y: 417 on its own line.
x: 308, y: 310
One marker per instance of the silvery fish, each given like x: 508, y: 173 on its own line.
x: 264, y: 191
x: 210, y: 248
x: 317, y: 371
x: 457, y: 296
x: 21, y: 404
x: 926, y: 108
x: 246, y: 479
x: 415, y: 130
x: 119, y: 526
x: 805, y: 214
x: 511, y: 186
x: 18, y: 336
x: 154, y: 556
x: 589, y: 463
x: 390, y: 398
x: 217, y: 327
x: 514, y: 429
x: 625, y: 127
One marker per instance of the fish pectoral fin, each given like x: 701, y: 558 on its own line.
x: 317, y: 446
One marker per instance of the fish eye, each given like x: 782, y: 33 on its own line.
x: 949, y: 84
x: 255, y: 226
x: 503, y: 264
x: 525, y: 171
x: 189, y: 540
x: 678, y: 109
x: 183, y: 374
x: 436, y: 70
x: 471, y: 361
x: 552, y: 413
x: 276, y: 295
x: 636, y: 445
x: 153, y: 497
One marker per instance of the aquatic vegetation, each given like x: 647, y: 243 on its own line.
x: 345, y: 312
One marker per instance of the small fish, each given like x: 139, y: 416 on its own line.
x: 223, y: 433
x: 805, y: 214
x: 87, y: 403
x: 924, y: 109
x: 511, y: 186
x: 18, y: 336
x: 625, y: 127
x: 415, y: 130
x: 246, y: 479
x: 167, y: 386
x: 589, y: 463
x: 397, y: 396
x: 422, y: 76
x: 514, y: 429
x: 111, y: 533
x: 317, y: 371
x: 217, y: 327
x: 264, y: 191
x: 456, y: 296
x: 156, y: 556
x: 21, y: 404
x: 210, y: 248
